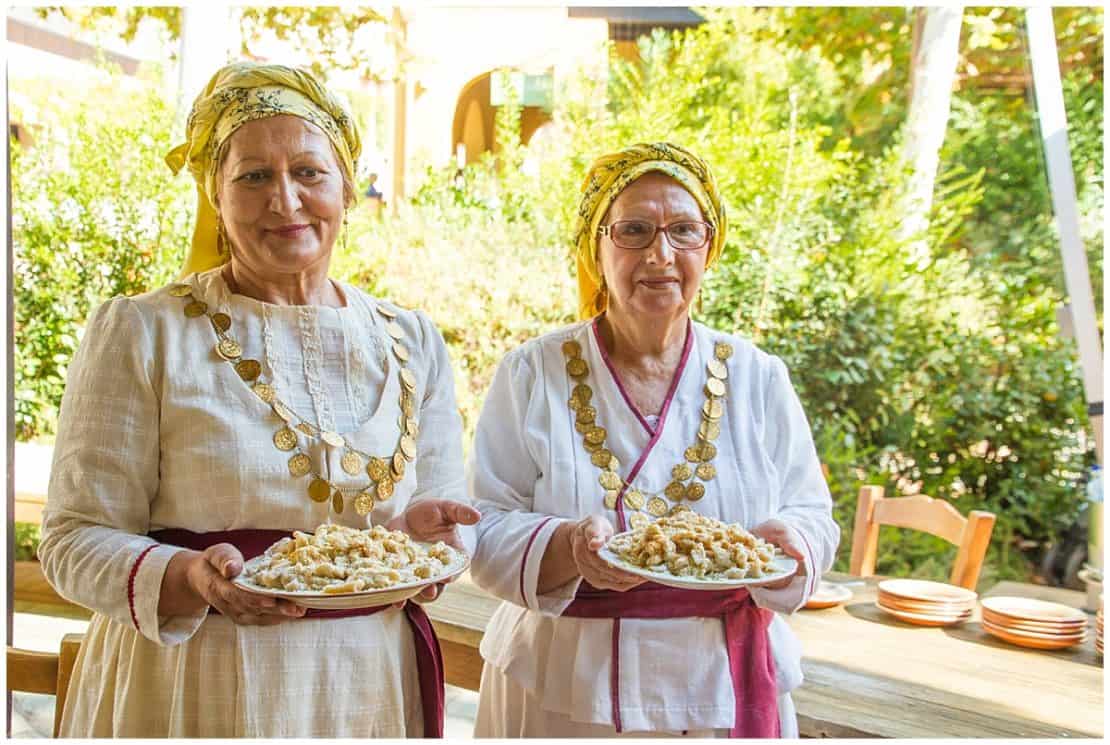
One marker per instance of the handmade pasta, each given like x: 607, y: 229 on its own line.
x: 686, y: 544
x: 337, y: 559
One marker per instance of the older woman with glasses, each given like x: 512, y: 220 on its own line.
x: 634, y: 413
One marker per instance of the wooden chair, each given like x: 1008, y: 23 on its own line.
x: 972, y: 534
x: 44, y: 672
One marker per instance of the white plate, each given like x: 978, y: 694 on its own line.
x: 783, y: 566
x: 924, y: 591
x: 352, y: 600
x: 827, y: 595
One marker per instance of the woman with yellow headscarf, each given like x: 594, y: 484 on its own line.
x: 209, y: 419
x: 639, y: 419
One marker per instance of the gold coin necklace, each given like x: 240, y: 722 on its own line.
x: 383, y: 472
x: 698, y: 457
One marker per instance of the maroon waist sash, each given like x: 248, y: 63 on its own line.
x: 749, y: 650
x: 429, y: 659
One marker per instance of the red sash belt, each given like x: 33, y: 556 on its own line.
x: 429, y: 660
x: 749, y: 650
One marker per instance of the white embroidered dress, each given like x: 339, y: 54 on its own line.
x: 528, y: 472
x: 156, y: 431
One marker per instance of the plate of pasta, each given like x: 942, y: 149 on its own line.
x: 692, y: 551
x: 338, y: 567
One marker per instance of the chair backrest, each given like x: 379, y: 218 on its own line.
x: 44, y: 672
x: 971, y: 534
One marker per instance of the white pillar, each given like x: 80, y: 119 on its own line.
x: 933, y: 68
x: 1061, y: 182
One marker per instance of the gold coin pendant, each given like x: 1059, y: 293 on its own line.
x: 681, y: 472
x: 601, y: 458
x: 394, y: 329
x: 400, y: 351
x: 611, y: 499
x: 657, y: 506
x: 388, y: 313
x: 397, y: 468
x: 707, y: 451
x: 283, y: 411
x: 408, y: 379
x: 675, y: 491
x: 709, y: 430
x: 221, y: 321
x: 307, y: 428
x: 609, y: 480
x: 351, y: 462
x: 377, y: 469
x: 717, y: 369
x: 229, y: 349
x: 384, y: 490
x: 587, y: 414
x: 638, y: 520
x: 572, y: 348
x: 715, y: 387
x: 196, y: 309
x: 408, y: 447
x: 577, y: 368
x: 248, y: 369
x: 264, y: 391
x: 299, y: 465
x: 319, y: 490
x: 691, y: 454
x: 180, y: 290
x: 722, y: 351
x: 679, y: 508
x: 633, y: 499
x: 285, y: 439
x: 713, y: 409
x: 706, y: 471
x: 583, y: 393
x: 695, y: 491
x: 337, y: 502
x: 364, y: 503
x: 596, y: 436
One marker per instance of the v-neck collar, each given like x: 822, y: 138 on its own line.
x: 687, y: 345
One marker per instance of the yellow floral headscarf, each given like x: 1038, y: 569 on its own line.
x: 608, y: 176
x: 236, y: 94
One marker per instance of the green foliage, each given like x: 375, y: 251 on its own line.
x: 26, y: 541
x: 96, y: 213
x: 928, y: 365
x: 329, y: 33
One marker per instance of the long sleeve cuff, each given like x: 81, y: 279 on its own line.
x: 792, y: 597
x: 144, y: 586
x: 552, y: 603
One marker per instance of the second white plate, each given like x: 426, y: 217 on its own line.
x: 783, y: 566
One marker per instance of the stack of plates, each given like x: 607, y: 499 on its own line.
x: 1034, y: 623
x: 926, y: 603
x: 1098, y: 631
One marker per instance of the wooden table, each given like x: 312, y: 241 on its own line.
x: 866, y: 673
x: 870, y: 675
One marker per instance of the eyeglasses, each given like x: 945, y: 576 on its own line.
x: 634, y: 235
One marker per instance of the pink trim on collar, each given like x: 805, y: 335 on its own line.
x: 657, y: 433
x: 524, y: 558
x: 131, y: 584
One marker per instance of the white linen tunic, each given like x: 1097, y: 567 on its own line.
x: 156, y: 431
x: 528, y: 472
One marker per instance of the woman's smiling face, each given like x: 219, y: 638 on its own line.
x: 281, y: 195
x: 656, y: 281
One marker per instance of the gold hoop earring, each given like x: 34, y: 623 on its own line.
x: 346, y: 232
x: 700, y: 309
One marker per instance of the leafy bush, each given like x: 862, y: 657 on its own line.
x: 26, y: 541
x: 95, y: 213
